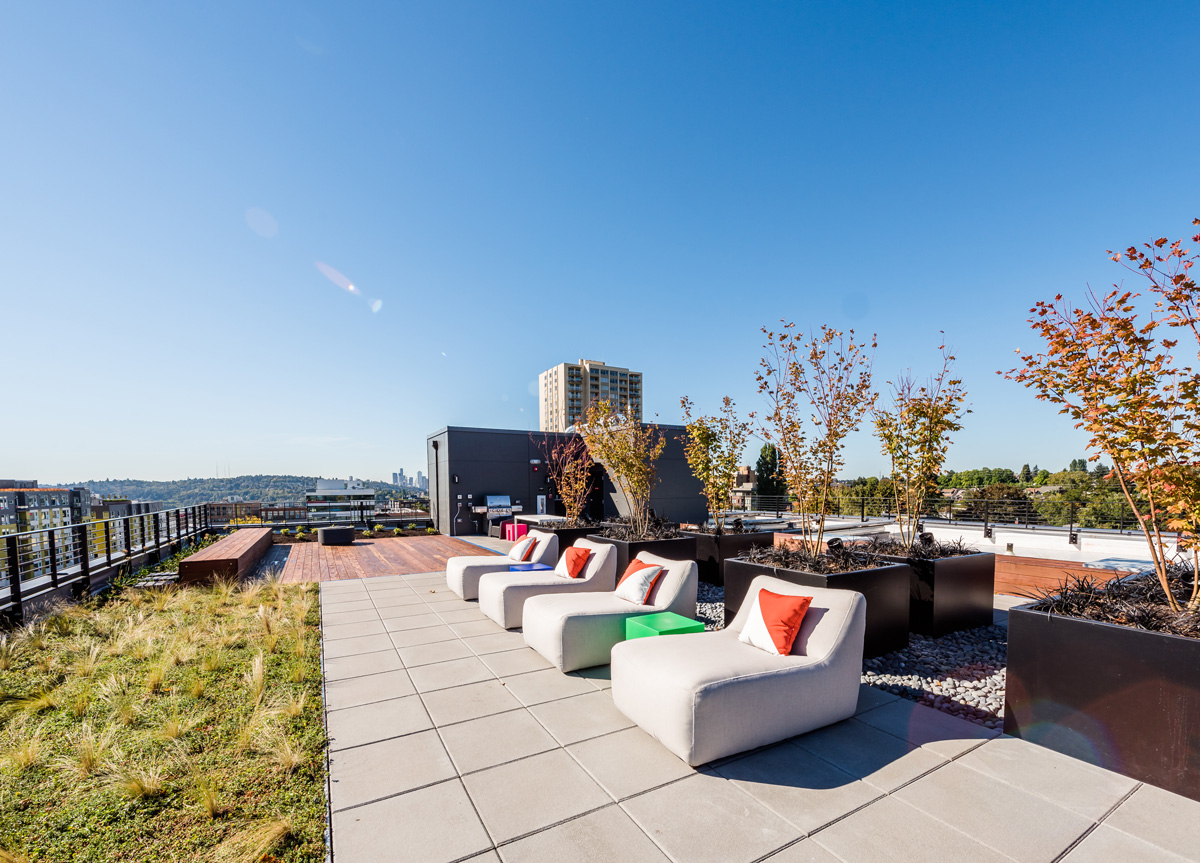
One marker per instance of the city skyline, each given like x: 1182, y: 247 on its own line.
x: 264, y: 189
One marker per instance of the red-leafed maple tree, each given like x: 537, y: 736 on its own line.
x: 1129, y: 383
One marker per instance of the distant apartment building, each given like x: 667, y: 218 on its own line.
x: 422, y: 482
x: 339, y: 500
x: 228, y: 510
x: 26, y: 507
x: 284, y: 512
x: 566, y: 390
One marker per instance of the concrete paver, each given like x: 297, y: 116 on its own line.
x: 453, y: 741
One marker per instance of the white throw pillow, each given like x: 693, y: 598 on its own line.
x: 636, y: 586
x: 518, y: 551
x: 755, y: 632
x: 774, y: 625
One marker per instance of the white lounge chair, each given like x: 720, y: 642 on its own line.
x: 708, y: 695
x: 502, y: 595
x: 578, y: 630
x: 463, y: 573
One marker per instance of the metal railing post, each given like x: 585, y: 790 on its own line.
x: 127, y: 530
x: 53, y: 561
x: 1072, y: 536
x: 85, y: 557
x: 987, y: 528
x: 14, y: 576
x: 108, y: 542
x: 154, y: 518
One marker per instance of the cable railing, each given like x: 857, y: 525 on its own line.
x: 1071, y: 515
x: 34, y: 563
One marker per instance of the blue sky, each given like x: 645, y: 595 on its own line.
x: 514, y: 185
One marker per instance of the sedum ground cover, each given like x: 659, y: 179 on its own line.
x: 165, y: 724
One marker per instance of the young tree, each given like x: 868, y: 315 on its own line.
x: 819, y: 385
x: 569, y: 467
x: 713, y: 446
x: 1026, y: 475
x: 1078, y: 465
x: 915, y: 435
x: 1121, y: 380
x: 766, y: 472
x: 628, y: 450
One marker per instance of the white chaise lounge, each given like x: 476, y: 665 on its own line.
x: 708, y: 695
x: 578, y: 630
x: 463, y: 573
x: 502, y: 595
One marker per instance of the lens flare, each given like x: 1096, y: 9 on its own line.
x: 337, y: 278
x: 376, y: 305
x: 261, y: 222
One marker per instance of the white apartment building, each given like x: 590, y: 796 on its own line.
x: 340, y: 500
x: 566, y: 390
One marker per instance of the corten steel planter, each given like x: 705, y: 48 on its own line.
x: 885, y: 588
x: 712, y: 551
x: 676, y: 548
x: 1121, y: 698
x: 950, y: 593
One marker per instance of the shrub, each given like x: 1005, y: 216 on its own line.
x: 431, y: 530
x: 286, y: 532
x: 379, y: 528
x: 396, y: 531
x: 368, y: 534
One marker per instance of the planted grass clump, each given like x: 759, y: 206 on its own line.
x: 171, y: 724
x: 836, y: 559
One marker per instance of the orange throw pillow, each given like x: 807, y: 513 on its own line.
x: 577, y: 559
x: 777, y: 623
x: 529, y: 551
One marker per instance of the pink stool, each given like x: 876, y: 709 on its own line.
x: 513, y: 532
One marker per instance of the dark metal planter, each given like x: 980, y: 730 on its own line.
x: 712, y: 551
x: 677, y: 548
x: 1124, y: 699
x: 566, y: 535
x: 951, y: 593
x: 885, y: 588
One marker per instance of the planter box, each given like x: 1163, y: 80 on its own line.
x: 677, y: 548
x: 1121, y: 698
x: 951, y: 593
x: 712, y: 551
x: 567, y: 535
x: 885, y: 588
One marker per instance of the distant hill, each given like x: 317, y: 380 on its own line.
x: 187, y: 492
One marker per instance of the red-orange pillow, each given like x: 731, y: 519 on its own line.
x: 638, y: 582
x: 529, y: 551
x: 774, y: 621
x: 577, y: 559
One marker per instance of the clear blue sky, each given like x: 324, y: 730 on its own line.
x: 520, y: 184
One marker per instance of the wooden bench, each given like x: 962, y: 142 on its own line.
x: 231, y: 557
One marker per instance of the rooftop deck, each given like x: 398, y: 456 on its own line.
x: 365, y: 558
x: 450, y: 740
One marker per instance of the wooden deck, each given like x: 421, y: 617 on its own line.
x: 309, y: 561
x: 1025, y: 576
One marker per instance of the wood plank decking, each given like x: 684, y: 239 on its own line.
x: 406, y: 555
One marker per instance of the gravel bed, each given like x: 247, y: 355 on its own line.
x: 962, y: 673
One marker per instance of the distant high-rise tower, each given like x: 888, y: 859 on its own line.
x: 566, y: 390
x: 395, y: 479
x: 422, y: 483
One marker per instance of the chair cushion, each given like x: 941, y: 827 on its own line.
x: 575, y: 560
x: 638, y: 581
x: 523, y: 550
x: 774, y: 621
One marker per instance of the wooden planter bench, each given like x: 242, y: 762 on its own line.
x: 231, y: 557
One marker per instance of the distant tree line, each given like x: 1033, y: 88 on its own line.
x: 268, y: 488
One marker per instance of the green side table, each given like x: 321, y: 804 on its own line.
x: 663, y: 623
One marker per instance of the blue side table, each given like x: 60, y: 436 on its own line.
x: 529, y: 567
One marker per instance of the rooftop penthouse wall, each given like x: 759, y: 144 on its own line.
x: 499, y: 461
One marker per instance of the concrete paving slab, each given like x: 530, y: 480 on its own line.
x: 362, y: 665
x: 383, y: 769
x: 705, y: 819
x: 869, y: 697
x: 437, y: 651
x: 434, y: 825
x: 520, y: 797
x: 427, y: 635
x: 799, y: 787
x: 335, y: 631
x: 400, y: 611
x: 510, y: 662
x: 395, y: 600
x: 453, y: 672
x: 495, y: 643
x: 599, y: 676
x: 347, y: 604
x: 987, y: 810
x: 354, y: 646
x: 946, y: 735
x: 878, y: 758
x: 1108, y: 845
x: 604, y: 836
x: 1067, y: 782
x: 1160, y: 818
x: 466, y: 629
x: 461, y: 703
x: 580, y: 717
x: 628, y: 762
x: 547, y: 685
x: 379, y: 720
x: 335, y: 618
x: 496, y: 739
x: 412, y: 621
x: 804, y: 851
x: 353, y: 691
x: 889, y: 831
